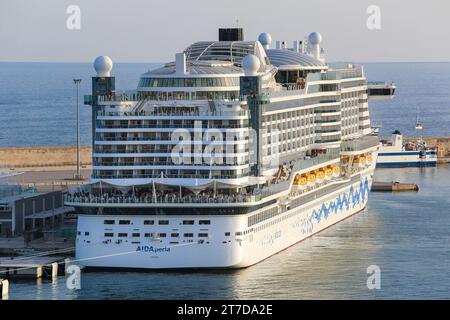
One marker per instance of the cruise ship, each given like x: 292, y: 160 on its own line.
x: 227, y: 155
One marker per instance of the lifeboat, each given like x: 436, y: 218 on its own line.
x: 369, y: 158
x: 320, y: 175
x: 360, y: 161
x: 336, y: 171
x: 311, y: 178
x: 301, y: 182
x: 328, y: 173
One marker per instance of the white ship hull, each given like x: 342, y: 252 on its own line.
x: 406, y: 159
x: 218, y: 250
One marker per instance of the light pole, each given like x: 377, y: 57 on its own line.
x: 78, y: 174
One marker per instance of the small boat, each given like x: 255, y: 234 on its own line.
x: 418, y: 124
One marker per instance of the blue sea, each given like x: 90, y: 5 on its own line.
x: 38, y: 100
x: 406, y: 235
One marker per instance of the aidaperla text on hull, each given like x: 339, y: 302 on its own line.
x: 152, y: 249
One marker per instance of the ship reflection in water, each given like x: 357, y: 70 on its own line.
x: 405, y: 234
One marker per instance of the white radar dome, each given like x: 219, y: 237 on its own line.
x: 103, y: 66
x: 315, y: 38
x: 265, y: 39
x: 251, y: 65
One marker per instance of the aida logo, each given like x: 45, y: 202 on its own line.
x: 152, y: 249
x: 354, y: 197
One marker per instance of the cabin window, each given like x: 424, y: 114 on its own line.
x: 227, y: 234
x: 163, y: 222
x: 136, y: 235
x: 188, y: 235
x: 204, y: 222
x: 109, y: 234
x: 109, y: 222
x: 86, y: 233
x: 203, y: 235
x: 148, y: 222
x: 175, y: 235
x: 188, y: 221
x: 162, y: 235
x: 124, y: 221
x: 123, y: 235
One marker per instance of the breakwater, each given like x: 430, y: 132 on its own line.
x: 37, y: 158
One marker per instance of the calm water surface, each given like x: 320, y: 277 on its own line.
x: 405, y: 234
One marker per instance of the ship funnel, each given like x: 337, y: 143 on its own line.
x: 397, y: 138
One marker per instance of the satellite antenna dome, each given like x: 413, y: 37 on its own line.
x: 265, y: 39
x: 315, y: 38
x: 251, y: 65
x: 103, y: 66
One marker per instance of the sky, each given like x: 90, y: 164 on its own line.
x: 154, y: 30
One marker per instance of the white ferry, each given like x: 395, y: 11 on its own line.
x: 227, y: 155
x: 379, y: 90
x: 398, y: 154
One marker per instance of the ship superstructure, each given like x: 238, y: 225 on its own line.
x: 223, y: 157
x: 381, y: 90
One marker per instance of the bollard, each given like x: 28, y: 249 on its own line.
x: 54, y: 270
x: 4, y: 286
x: 39, y: 272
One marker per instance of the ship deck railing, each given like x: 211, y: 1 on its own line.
x: 168, y: 199
x: 174, y: 176
x: 362, y: 143
x: 168, y: 126
x: 254, y: 196
x: 208, y: 198
x: 161, y: 163
x: 144, y: 113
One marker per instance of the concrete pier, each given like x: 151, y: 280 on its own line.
x: 32, y: 267
x: 4, y: 289
x: 393, y: 186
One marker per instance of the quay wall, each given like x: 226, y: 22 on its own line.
x: 30, y: 158
x: 441, y: 143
